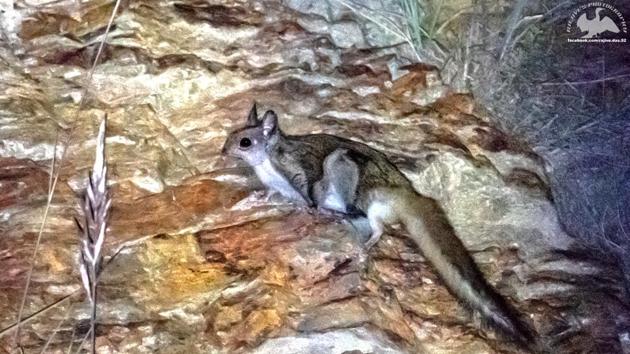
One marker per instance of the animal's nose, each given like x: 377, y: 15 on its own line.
x: 224, y: 148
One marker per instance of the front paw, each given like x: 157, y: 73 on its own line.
x: 260, y: 194
x: 317, y: 211
x: 309, y: 202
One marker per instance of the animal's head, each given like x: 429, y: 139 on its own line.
x: 250, y: 142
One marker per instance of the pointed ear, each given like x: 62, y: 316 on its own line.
x: 252, y: 118
x: 270, y: 123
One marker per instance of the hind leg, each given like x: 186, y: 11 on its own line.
x: 376, y: 224
x: 337, y: 188
x: 379, y: 213
x: 377, y: 227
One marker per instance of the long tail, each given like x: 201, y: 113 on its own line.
x: 428, y: 226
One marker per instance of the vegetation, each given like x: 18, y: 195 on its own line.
x: 567, y: 101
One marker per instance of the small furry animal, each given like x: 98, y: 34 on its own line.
x: 350, y: 177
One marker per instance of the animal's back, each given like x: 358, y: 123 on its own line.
x: 375, y: 168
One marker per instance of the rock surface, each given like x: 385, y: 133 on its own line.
x: 202, y: 262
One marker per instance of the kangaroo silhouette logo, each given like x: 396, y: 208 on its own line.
x: 607, y: 25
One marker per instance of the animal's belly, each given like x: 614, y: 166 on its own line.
x: 273, y: 180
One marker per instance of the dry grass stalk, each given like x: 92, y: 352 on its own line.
x: 95, y: 206
x: 55, y: 172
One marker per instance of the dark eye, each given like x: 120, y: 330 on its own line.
x: 245, y: 143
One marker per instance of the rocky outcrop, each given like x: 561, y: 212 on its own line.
x: 200, y: 260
